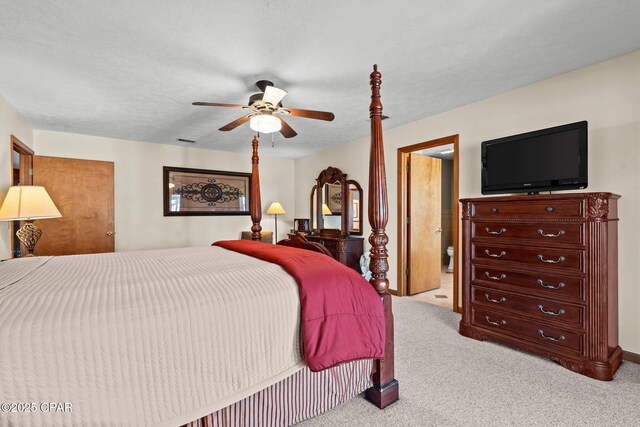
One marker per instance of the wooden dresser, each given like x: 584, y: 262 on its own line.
x: 540, y: 273
x: 346, y: 250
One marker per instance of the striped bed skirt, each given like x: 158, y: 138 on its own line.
x: 298, y: 397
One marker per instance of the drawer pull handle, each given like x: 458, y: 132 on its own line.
x: 550, y: 209
x: 502, y: 322
x: 544, y: 285
x: 550, y: 313
x: 494, y: 210
x: 502, y: 276
x: 543, y: 259
x: 541, y: 333
x: 502, y: 230
x: 542, y: 233
x: 495, y: 301
x: 501, y: 254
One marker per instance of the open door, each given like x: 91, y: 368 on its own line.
x: 83, y: 192
x: 423, y: 223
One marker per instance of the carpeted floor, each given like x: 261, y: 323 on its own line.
x: 449, y: 380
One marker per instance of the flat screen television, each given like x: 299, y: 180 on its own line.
x: 544, y: 160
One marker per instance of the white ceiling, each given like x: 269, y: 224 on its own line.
x: 130, y: 69
x: 437, y: 152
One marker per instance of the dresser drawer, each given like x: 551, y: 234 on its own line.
x: 539, y: 233
x: 535, y: 332
x: 566, y: 259
x: 563, y: 313
x: 540, y: 283
x: 528, y: 209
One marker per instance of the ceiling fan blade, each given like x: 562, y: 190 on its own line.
x: 286, y: 130
x: 234, y: 124
x: 273, y: 95
x: 215, y: 104
x: 310, y: 114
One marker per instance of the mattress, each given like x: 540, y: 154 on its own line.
x: 142, y: 338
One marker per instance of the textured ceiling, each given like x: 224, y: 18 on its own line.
x: 437, y: 152
x: 130, y: 69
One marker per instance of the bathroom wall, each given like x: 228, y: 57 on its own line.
x: 447, y: 209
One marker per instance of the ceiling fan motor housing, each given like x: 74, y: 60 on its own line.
x: 256, y: 100
x: 262, y: 84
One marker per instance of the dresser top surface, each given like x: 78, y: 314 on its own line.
x: 320, y: 236
x: 542, y: 197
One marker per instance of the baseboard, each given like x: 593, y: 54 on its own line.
x: 630, y: 357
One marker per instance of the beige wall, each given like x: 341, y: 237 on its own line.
x: 11, y: 123
x: 606, y: 94
x: 139, y: 219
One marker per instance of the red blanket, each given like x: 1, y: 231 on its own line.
x: 342, y: 315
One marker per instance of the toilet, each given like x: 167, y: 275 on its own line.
x: 450, y: 253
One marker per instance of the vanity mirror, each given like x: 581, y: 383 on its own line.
x: 336, y: 216
x: 330, y: 209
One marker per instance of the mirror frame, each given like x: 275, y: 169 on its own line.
x: 332, y: 175
x: 360, y: 210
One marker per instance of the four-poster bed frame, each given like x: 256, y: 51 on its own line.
x: 385, y: 386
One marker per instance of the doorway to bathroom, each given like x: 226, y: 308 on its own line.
x: 428, y: 222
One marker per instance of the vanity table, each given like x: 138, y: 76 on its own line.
x: 336, y: 216
x: 346, y: 250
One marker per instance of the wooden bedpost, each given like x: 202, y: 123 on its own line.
x: 385, y: 386
x: 256, y: 206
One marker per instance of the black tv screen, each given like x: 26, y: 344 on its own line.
x: 544, y: 160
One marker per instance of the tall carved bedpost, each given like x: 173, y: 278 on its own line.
x: 256, y: 206
x: 385, y: 386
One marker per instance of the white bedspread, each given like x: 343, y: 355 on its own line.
x: 143, y: 338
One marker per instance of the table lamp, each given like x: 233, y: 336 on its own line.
x: 28, y: 203
x: 276, y: 209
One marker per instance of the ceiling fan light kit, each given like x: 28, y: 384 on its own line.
x: 265, y: 123
x: 266, y: 111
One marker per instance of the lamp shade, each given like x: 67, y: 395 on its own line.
x: 326, y: 210
x: 28, y: 202
x: 265, y: 123
x: 276, y: 209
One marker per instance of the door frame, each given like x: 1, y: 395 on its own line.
x: 403, y: 238
x: 26, y: 175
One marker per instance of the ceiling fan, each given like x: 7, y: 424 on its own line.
x: 267, y: 111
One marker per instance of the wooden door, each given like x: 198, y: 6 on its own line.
x: 20, y: 176
x: 83, y: 192
x: 424, y: 223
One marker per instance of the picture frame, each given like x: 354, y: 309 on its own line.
x: 301, y: 225
x: 198, y: 192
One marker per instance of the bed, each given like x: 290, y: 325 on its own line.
x: 239, y: 333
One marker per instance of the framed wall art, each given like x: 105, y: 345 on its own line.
x: 205, y: 192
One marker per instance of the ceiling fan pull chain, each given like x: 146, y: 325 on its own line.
x: 273, y: 143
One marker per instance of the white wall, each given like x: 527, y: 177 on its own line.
x: 606, y: 94
x: 139, y: 220
x: 11, y: 123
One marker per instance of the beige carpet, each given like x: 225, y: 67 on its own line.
x: 449, y: 380
x: 443, y: 296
